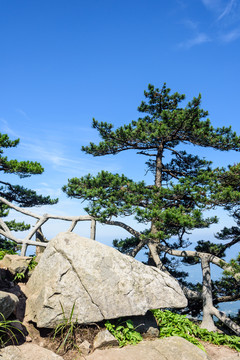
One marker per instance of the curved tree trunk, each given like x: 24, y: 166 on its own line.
x: 207, y: 321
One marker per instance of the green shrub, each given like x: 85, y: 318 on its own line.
x: 171, y: 324
x: 125, y: 332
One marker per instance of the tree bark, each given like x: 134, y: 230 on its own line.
x: 222, y: 317
x: 40, y: 237
x: 207, y: 321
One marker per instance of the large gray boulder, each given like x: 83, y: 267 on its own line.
x: 99, y: 280
x: 172, y: 348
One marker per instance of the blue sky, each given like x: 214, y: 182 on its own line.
x: 64, y: 62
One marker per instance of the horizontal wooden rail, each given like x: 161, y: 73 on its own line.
x: 41, y: 219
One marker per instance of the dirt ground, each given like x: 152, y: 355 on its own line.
x: 221, y: 352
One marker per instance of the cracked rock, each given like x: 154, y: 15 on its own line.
x: 99, y: 281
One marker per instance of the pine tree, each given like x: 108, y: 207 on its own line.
x: 16, y: 193
x: 174, y: 203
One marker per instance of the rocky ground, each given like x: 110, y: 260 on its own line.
x: 221, y: 352
x: 214, y: 352
x: 85, y: 335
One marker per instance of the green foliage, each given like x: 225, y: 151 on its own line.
x: 235, y: 267
x: 19, y: 277
x: 17, y: 193
x: 7, y: 331
x: 65, y: 330
x: 32, y: 264
x: 7, y: 247
x: 124, y: 332
x: 4, y: 252
x: 183, y: 185
x: 171, y: 324
x: 228, y: 192
x: 173, y: 205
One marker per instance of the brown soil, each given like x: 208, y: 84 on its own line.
x: 220, y: 352
x: 69, y: 351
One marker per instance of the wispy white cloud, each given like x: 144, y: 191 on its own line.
x: 227, y: 10
x: 23, y: 113
x: 190, y: 24
x: 49, y: 191
x: 212, y: 4
x: 5, y: 128
x: 199, y: 39
x: 220, y: 7
x: 45, y: 153
x: 226, y: 26
x: 231, y: 36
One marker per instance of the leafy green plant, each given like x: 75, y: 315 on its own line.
x: 124, y: 334
x: 4, y: 252
x: 32, y: 264
x: 7, y: 331
x: 23, y: 276
x: 19, y: 276
x: 65, y: 330
x: 171, y: 324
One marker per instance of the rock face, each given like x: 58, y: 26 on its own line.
x: 26, y: 352
x: 99, y: 280
x: 8, y: 303
x: 15, y: 263
x: 172, y: 348
x: 104, y: 339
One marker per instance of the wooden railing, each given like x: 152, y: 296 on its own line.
x: 40, y: 241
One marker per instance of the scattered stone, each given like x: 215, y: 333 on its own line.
x: 85, y: 347
x: 28, y: 338
x: 106, y: 283
x: 27, y: 351
x: 152, y: 332
x: 172, y: 348
x: 104, y: 339
x: 8, y: 303
x: 15, y: 263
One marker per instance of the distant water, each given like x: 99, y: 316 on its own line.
x: 230, y: 308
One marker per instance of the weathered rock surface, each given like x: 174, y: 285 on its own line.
x: 15, y: 263
x: 99, y: 280
x: 8, y: 303
x: 172, y: 348
x: 84, y: 348
x: 103, y: 339
x: 27, y: 352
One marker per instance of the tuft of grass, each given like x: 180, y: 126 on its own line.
x: 8, y: 330
x: 65, y: 331
x: 171, y: 324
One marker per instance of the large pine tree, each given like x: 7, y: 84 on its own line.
x: 173, y: 204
